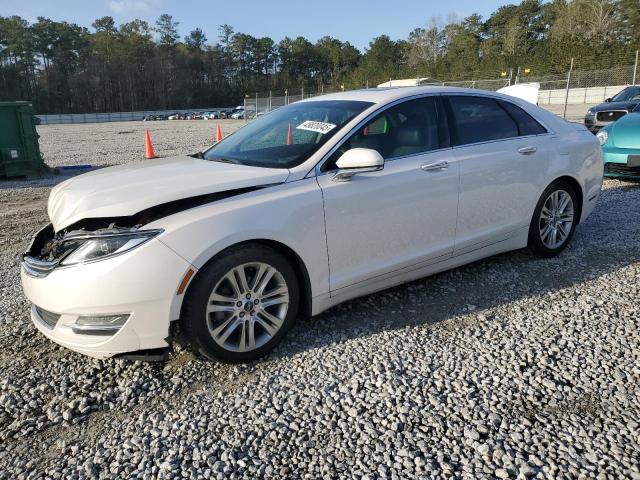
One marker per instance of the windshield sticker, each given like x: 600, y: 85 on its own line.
x: 318, y: 127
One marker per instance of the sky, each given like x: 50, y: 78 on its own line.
x: 356, y: 21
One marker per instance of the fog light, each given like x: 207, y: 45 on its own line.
x: 99, y: 325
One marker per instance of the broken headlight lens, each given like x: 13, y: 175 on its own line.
x: 92, y: 248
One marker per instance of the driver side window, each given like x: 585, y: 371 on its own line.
x: 405, y: 129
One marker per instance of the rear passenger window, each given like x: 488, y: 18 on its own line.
x: 405, y: 129
x: 527, y: 125
x: 480, y: 119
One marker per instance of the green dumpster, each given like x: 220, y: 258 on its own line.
x: 19, y: 150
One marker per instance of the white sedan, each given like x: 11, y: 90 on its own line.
x: 316, y: 203
x: 237, y: 115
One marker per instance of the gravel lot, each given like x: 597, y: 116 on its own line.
x: 510, y: 367
x: 101, y: 144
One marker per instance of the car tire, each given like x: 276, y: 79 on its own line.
x: 208, y: 314
x: 554, y: 220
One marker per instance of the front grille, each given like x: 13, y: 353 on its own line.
x: 610, y: 115
x: 621, y: 169
x: 50, y: 319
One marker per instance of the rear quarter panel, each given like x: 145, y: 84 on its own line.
x: 579, y: 156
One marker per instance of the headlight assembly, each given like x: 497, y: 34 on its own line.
x: 93, y: 247
x: 603, y: 136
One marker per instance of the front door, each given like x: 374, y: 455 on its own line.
x: 381, y: 222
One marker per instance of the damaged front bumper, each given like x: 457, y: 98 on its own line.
x: 122, y: 303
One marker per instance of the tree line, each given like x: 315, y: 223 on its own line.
x: 65, y: 68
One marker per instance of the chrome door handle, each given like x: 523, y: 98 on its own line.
x: 429, y: 167
x: 527, y: 150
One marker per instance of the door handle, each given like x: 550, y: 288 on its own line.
x: 527, y: 150
x: 430, y: 167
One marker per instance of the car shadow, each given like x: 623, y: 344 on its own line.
x: 607, y: 241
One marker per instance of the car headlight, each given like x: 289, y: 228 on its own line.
x: 88, y: 248
x: 603, y: 136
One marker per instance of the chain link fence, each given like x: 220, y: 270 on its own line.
x: 491, y: 85
x: 567, y: 94
x: 574, y: 92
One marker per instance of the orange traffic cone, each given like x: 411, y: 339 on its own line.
x: 289, y: 136
x: 148, y: 146
x: 218, y: 133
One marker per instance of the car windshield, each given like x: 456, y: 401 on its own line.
x: 286, y: 137
x: 627, y: 95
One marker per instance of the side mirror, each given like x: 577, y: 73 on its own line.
x: 357, y: 160
x: 608, y: 100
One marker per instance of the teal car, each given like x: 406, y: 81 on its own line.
x: 620, y: 142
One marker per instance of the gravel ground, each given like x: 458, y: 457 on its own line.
x: 101, y: 144
x: 512, y: 367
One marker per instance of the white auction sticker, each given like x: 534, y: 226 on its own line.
x: 318, y: 127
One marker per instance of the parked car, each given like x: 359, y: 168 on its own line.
x: 318, y: 202
x: 620, y: 142
x: 237, y: 115
x: 612, y: 109
x: 149, y: 118
x: 175, y: 116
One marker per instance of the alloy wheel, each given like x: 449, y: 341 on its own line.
x: 247, y: 307
x: 556, y: 219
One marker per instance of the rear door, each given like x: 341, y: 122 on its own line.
x: 502, y: 158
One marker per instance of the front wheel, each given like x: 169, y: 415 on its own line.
x: 554, y: 220
x: 241, y: 304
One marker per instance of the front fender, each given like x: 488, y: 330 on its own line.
x: 289, y: 213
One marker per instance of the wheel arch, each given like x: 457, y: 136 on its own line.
x: 287, y: 252
x: 577, y: 188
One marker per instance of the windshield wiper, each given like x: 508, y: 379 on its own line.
x: 226, y: 160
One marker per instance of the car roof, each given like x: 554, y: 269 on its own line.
x: 388, y: 94
x: 385, y: 95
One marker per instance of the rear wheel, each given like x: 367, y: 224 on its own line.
x: 554, y: 220
x: 241, y: 304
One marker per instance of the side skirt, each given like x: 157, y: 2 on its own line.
x: 323, y: 302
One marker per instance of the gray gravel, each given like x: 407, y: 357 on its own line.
x: 101, y: 144
x: 513, y: 367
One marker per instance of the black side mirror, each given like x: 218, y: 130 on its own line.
x: 608, y: 100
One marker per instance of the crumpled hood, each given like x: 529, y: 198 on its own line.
x: 625, y: 133
x: 128, y: 189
